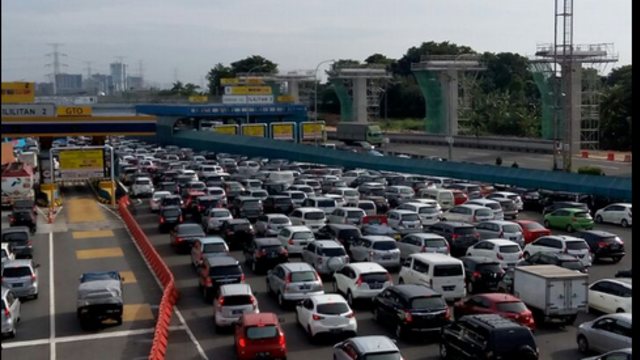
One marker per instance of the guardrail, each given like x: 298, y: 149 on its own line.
x: 161, y: 270
x: 483, y: 142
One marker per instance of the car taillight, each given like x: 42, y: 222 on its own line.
x: 454, y: 236
x: 200, y: 207
x: 7, y: 314
x: 208, y: 282
x: 162, y: 220
x: 288, y: 279
x: 11, y: 218
x: 260, y: 253
x: 423, y: 248
x: 242, y: 342
x: 359, y: 281
x: 242, y: 277
x: 284, y: 251
x: 317, y: 317
x: 476, y: 275
x: 253, y: 300
x: 602, y: 244
x: 389, y: 278
x: 371, y: 253
x: 220, y: 301
x: 180, y: 218
x: 350, y: 315
x: 447, y: 313
x: 474, y: 218
x: 281, y: 340
x: 33, y: 277
x: 407, y: 317
x: 500, y: 256
x: 520, y: 256
x: 290, y: 241
x: 476, y: 235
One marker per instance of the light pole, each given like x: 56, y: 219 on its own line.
x: 315, y: 75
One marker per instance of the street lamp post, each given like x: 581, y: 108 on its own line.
x: 315, y: 75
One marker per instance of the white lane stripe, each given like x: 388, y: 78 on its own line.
x: 87, y: 337
x: 52, y: 303
x: 178, y: 313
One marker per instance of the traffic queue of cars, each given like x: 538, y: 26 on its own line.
x: 300, y: 225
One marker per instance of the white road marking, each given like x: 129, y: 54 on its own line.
x: 52, y: 303
x: 87, y: 337
x: 180, y: 317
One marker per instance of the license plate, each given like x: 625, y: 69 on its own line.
x: 375, y: 286
x: 263, y: 354
x: 615, y: 247
x: 305, y: 287
x: 448, y: 288
x: 236, y: 312
x: 386, y: 258
x: 335, y: 330
x: 17, y: 285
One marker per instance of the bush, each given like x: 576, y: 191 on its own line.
x: 590, y: 170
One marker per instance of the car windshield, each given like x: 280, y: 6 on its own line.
x: 261, y: 193
x: 582, y: 214
x: 351, y: 193
x: 374, y: 277
x: 490, y: 268
x: 493, y: 206
x: 262, y: 332
x: 428, y: 210
x: 15, y: 237
x: 300, y: 276
x: 316, y: 215
x: 16, y: 272
x: 428, y: 302
x: 190, y: 230
x: 509, y: 249
x: 284, y: 200
x: 235, y: 300
x: 303, y: 235
x: 170, y: 201
x: 242, y: 227
x: 410, y: 217
x: 221, y: 214
x: 332, y: 308
x: 216, y: 192
x: 251, y: 204
x: 214, y: 248
x: 484, y: 212
x: 298, y: 196
x: 577, y: 245
x: 464, y: 231
x: 447, y: 270
x: 99, y: 276
x: 383, y: 356
x: 333, y: 252
x: 511, y: 306
x: 270, y: 248
x: 534, y: 226
x: 511, y: 228
x: 355, y: 214
x: 384, y: 245
x: 143, y: 182
x: 197, y: 186
x: 512, y: 339
x: 436, y: 243
x: 572, y: 265
x: 225, y: 270
x: 280, y: 220
x: 326, y: 203
x: 366, y: 206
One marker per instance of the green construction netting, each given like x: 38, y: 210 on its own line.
x: 346, y: 103
x: 542, y: 76
x: 435, y: 118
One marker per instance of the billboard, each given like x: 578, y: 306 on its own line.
x: 198, y: 98
x: 225, y: 129
x: 247, y: 99
x: 257, y: 130
x: 70, y: 111
x: 241, y: 81
x: 285, y: 99
x: 247, y: 90
x: 67, y: 100
x: 283, y: 131
x: 28, y: 110
x: 82, y: 164
x: 312, y: 131
x: 18, y: 92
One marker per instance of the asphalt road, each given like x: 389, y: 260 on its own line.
x: 554, y: 343
x: 98, y: 244
x: 524, y: 160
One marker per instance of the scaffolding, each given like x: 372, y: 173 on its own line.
x: 359, y: 105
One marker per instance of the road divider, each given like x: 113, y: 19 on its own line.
x: 162, y: 272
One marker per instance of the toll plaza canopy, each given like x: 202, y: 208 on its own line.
x: 51, y: 126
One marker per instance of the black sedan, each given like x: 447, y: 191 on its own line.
x: 265, y: 253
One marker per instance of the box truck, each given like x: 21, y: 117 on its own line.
x: 352, y: 132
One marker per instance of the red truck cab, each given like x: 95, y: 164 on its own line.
x: 259, y: 336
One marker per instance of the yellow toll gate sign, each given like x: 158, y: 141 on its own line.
x: 70, y: 111
x: 18, y: 92
x: 257, y: 130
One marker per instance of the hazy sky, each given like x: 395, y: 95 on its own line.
x: 184, y: 39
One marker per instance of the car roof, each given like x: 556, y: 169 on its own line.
x: 257, y: 319
x: 296, y: 228
x: 480, y: 201
x: 600, y: 233
x: 473, y: 206
x: 402, y: 212
x: 367, y: 267
x: 499, y: 242
x: 455, y: 224
x: 297, y: 266
x: 427, y: 235
x: 222, y: 260
x: 235, y: 289
x: 622, y: 281
x: 271, y: 216
x: 435, y: 258
x: 375, y: 238
x: 327, y: 299
x: 498, y: 222
x: 494, y: 321
x: 212, y: 240
x: 309, y: 209
x: 373, y: 344
x: 15, y: 229
x: 620, y: 316
x: 238, y: 221
x: 327, y: 244
x: 480, y: 259
x: 498, y: 297
x: 414, y: 290
x: 562, y: 238
x: 267, y: 241
x: 343, y: 226
x: 17, y: 263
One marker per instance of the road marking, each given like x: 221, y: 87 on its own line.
x: 52, y: 303
x: 128, y: 276
x: 87, y: 337
x: 83, y: 211
x: 136, y: 312
x: 91, y: 234
x: 99, y: 253
x: 180, y: 317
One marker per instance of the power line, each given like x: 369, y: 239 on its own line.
x: 56, y: 64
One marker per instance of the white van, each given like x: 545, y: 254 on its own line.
x: 444, y: 197
x: 311, y: 217
x: 281, y: 177
x: 442, y: 273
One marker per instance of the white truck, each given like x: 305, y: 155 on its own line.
x: 17, y: 183
x: 353, y: 132
x: 551, y: 292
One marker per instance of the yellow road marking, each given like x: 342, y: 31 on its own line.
x: 83, y: 211
x: 92, y: 234
x: 136, y: 312
x: 128, y: 276
x: 99, y: 253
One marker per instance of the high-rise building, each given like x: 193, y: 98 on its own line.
x: 119, y: 76
x: 68, y: 84
x: 99, y: 84
x: 134, y: 83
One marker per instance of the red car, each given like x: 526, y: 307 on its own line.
x: 459, y: 197
x: 532, y: 230
x: 506, y: 305
x: 259, y: 336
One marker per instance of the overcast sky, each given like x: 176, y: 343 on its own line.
x: 184, y: 39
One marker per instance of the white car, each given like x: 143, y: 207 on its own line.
x: 328, y: 313
x: 156, y: 200
x: 312, y: 217
x: 506, y: 252
x: 350, y: 195
x: 142, y: 186
x: 560, y: 244
x: 422, y: 242
x: 618, y: 213
x: 508, y: 195
x: 494, y: 205
x: 611, y: 295
x: 404, y: 221
x: 233, y: 301
x: 361, y: 280
x: 340, y: 201
x: 295, y: 238
x: 10, y: 312
x: 214, y: 218
x: 368, y: 206
x: 248, y: 167
x: 7, y: 254
x: 471, y: 214
x: 429, y: 214
x: 376, y: 248
x: 217, y: 193
x: 297, y: 197
x: 326, y: 204
x: 346, y: 215
x: 271, y: 224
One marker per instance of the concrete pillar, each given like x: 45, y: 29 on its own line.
x: 449, y: 83
x: 360, y: 100
x: 294, y: 91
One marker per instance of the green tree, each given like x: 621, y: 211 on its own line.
x: 177, y: 88
x: 190, y: 89
x: 615, y: 111
x: 378, y: 58
x: 215, y: 74
x: 403, y: 65
x: 254, y: 63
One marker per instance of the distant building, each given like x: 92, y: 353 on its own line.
x: 68, y: 84
x: 44, y: 89
x: 134, y: 83
x: 119, y: 77
x: 99, y: 84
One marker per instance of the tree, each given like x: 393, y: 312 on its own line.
x: 378, y: 58
x: 215, y: 74
x: 190, y: 89
x: 403, y: 65
x: 254, y: 63
x: 178, y: 88
x: 615, y: 111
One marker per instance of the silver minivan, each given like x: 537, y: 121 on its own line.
x: 21, y: 276
x: 233, y: 301
x: 10, y: 312
x: 500, y: 229
x: 326, y: 256
x: 422, y: 242
x: 293, y: 282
